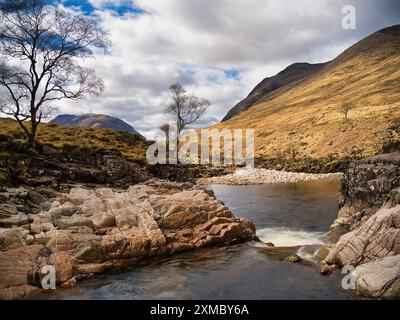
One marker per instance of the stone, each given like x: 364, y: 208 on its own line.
x: 378, y: 237
x: 15, y: 220
x: 294, y: 258
x: 11, y: 238
x: 61, y: 241
x: 7, y: 210
x: 17, y: 266
x: 68, y: 209
x: 75, y: 221
x: 63, y: 264
x: 91, y: 268
x: 20, y: 292
x: 379, y: 279
x: 325, y: 269
x: 104, y: 220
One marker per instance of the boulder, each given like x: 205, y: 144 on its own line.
x: 379, y: 279
x: 377, y: 238
x: 11, y: 238
x: 68, y: 209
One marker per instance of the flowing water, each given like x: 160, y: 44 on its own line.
x: 284, y: 214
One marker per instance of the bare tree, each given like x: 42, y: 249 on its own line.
x: 345, y: 109
x: 185, y: 108
x: 165, y: 129
x: 40, y: 49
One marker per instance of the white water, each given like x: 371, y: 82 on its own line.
x: 284, y: 237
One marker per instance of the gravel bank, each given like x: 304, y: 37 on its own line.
x: 264, y: 176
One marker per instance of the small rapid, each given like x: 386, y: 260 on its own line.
x: 284, y: 237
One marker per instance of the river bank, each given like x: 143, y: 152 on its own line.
x: 264, y: 176
x: 367, y: 228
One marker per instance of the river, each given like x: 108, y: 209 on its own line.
x: 284, y: 214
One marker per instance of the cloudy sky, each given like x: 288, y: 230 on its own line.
x: 217, y: 49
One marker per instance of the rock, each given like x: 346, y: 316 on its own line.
x: 294, y: 258
x: 75, y: 221
x: 325, y: 269
x: 62, y: 241
x: 15, y: 220
x: 378, y: 237
x: 20, y: 292
x: 7, y: 210
x: 68, y: 209
x: 17, y: 266
x: 43, y: 227
x: 36, y: 197
x: 89, y: 231
x: 337, y: 230
x: 104, y: 220
x: 69, y: 283
x: 11, y: 238
x: 91, y: 268
x: 368, y: 182
x: 81, y: 230
x: 379, y: 279
x: 370, y: 211
x: 63, y: 264
x: 55, y: 214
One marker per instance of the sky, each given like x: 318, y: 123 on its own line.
x: 217, y: 49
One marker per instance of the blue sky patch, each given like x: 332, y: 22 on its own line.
x: 124, y: 7
x: 232, y: 74
x: 84, y: 5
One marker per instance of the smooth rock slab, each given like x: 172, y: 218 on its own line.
x: 379, y: 279
x: 376, y: 238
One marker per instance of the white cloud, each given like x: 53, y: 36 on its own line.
x: 193, y: 41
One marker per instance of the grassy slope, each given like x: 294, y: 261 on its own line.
x: 58, y: 137
x: 307, y: 117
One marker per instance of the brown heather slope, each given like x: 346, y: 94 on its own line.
x: 304, y: 122
x: 267, y: 88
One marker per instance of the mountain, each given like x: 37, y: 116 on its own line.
x: 303, y: 118
x: 92, y: 120
x: 287, y: 78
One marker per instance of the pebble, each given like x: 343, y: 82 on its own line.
x: 265, y: 176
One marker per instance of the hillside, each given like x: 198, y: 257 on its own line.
x: 92, y: 120
x: 131, y: 146
x: 304, y: 121
x: 285, y: 79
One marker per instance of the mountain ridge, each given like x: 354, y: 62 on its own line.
x: 93, y: 120
x: 306, y: 115
x: 291, y: 75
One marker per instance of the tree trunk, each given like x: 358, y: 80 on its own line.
x: 167, y: 148
x: 32, y: 134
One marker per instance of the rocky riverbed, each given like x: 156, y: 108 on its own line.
x: 85, y: 231
x: 88, y: 231
x: 265, y: 176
